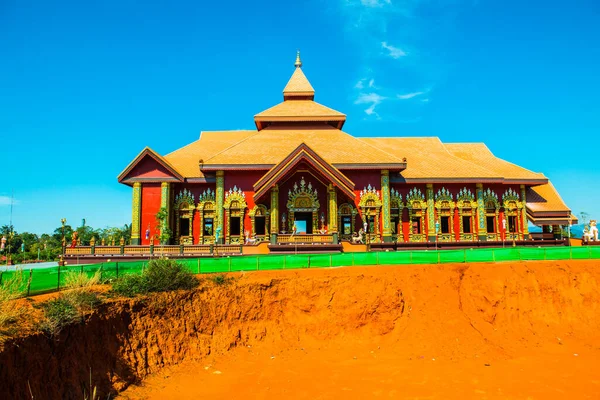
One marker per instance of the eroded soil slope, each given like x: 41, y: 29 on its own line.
x: 353, y: 331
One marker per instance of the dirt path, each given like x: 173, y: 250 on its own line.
x: 484, y: 331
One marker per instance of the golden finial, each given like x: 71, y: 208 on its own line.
x: 298, y: 63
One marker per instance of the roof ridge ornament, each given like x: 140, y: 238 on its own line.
x: 298, y: 63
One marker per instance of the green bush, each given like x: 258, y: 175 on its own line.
x: 59, y: 313
x: 220, y: 279
x: 161, y: 275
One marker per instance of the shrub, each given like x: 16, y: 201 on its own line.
x: 10, y: 311
x: 59, y: 313
x: 80, y: 290
x: 220, y: 279
x: 80, y: 280
x: 161, y: 275
x: 79, y: 298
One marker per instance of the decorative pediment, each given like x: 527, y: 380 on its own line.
x: 235, y: 198
x: 443, y: 199
x: 149, y: 166
x: 258, y: 210
x: 396, y: 197
x: 510, y: 199
x: 415, y: 199
x: 369, y: 197
x: 184, y: 197
x: 207, y: 199
x: 466, y: 199
x: 465, y: 194
x: 304, y: 197
x: 490, y: 196
x: 303, y: 154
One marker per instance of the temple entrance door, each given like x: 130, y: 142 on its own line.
x: 303, y: 221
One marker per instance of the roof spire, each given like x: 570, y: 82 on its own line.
x: 298, y: 63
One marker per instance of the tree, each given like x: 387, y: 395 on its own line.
x: 162, y: 217
x: 584, y: 217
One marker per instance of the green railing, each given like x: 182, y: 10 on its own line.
x: 37, y: 281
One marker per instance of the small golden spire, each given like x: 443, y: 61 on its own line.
x: 298, y: 63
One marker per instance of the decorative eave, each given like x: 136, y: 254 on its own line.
x: 303, y: 153
x: 337, y: 121
x: 234, y: 167
x: 532, y: 182
x: 543, y: 219
x: 122, y: 178
x: 362, y: 166
x: 401, y: 179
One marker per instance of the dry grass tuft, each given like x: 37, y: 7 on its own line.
x: 79, y: 298
x: 10, y: 310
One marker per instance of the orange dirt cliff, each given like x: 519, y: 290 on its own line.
x: 509, y: 330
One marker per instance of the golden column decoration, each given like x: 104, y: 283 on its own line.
x: 524, y: 212
x: 430, y: 213
x: 220, y: 201
x: 135, y: 213
x: 165, y: 200
x: 481, y: 222
x: 274, y: 211
x: 333, y: 215
x: 385, y: 209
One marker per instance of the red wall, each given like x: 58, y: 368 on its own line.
x: 149, y: 168
x: 363, y: 179
x: 150, y: 206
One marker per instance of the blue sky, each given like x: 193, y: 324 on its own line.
x: 84, y: 86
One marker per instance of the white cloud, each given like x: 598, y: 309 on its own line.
x: 425, y: 100
x: 372, y: 83
x: 6, y: 200
x: 359, y: 84
x: 371, y: 110
x: 394, y: 52
x: 373, y: 99
x: 375, y: 3
x: 365, y: 98
x: 409, y: 95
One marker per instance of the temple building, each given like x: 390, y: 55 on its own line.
x: 298, y: 174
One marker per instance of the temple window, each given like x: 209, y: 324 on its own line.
x: 416, y: 225
x: 347, y: 216
x: 444, y: 205
x: 445, y: 224
x: 234, y: 205
x: 259, y: 218
x: 370, y: 206
x: 467, y: 207
x: 184, y: 226
x: 466, y: 222
x: 208, y: 227
x: 396, y: 207
x: 513, y: 213
x: 415, y: 201
x: 491, y: 209
x: 184, y: 207
x: 490, y: 217
x: 207, y: 210
x: 512, y: 224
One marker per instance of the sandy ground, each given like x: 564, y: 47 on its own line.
x: 486, y: 331
x: 356, y: 373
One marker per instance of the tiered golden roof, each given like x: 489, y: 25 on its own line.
x: 269, y: 146
x: 480, y: 154
x: 300, y: 121
x: 299, y: 105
